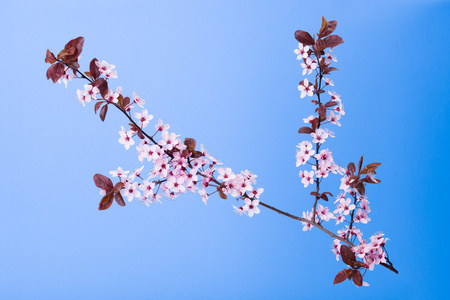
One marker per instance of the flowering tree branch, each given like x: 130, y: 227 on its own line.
x: 178, y: 167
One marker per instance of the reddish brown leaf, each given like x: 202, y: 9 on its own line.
x: 357, y: 278
x: 97, y: 106
x: 106, y: 202
x: 103, y: 112
x: 360, y: 164
x: 102, y: 85
x: 66, y: 52
x: 196, y: 154
x: 74, y: 65
x: 330, y: 103
x: 329, y: 27
x: 88, y: 74
x: 77, y: 44
x: 322, y: 111
x: 340, y: 277
x: 50, y: 57
x: 190, y: 144
x: 315, y: 194
x: 333, y: 40
x: 371, y: 180
x: 314, y: 124
x: 324, y: 197
x: 351, y: 168
x: 361, y: 189
x: 306, y: 130
x: 347, y: 255
x: 55, y: 72
x: 370, y: 168
x: 320, y: 45
x: 103, y: 182
x: 222, y: 194
x: 118, y: 186
x: 119, y: 199
x: 94, y: 69
x: 304, y: 37
x: 126, y: 101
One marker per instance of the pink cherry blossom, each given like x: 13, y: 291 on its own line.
x: 160, y: 126
x: 130, y: 191
x: 143, y: 117
x: 308, y: 178
x: 251, y: 207
x: 126, y: 138
x: 306, y: 88
x: 301, y: 51
x: 308, y: 66
x: 328, y: 81
x: 225, y: 174
x: 138, y: 100
x: 118, y: 172
x: 319, y: 136
x: 169, y: 140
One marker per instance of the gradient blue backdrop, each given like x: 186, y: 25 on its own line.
x: 223, y: 72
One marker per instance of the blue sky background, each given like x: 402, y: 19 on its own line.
x: 223, y: 72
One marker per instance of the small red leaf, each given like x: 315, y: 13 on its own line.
x: 118, y: 186
x: 77, y: 45
x: 315, y: 194
x: 94, y: 69
x: 221, y: 193
x: 370, y: 168
x: 119, y: 199
x: 304, y: 37
x: 357, y: 278
x: 306, y: 130
x: 320, y: 45
x: 126, y: 101
x: 106, y: 202
x: 103, y: 112
x: 322, y: 111
x: 196, y: 154
x: 55, y: 72
x: 371, y: 180
x: 88, y: 74
x: 103, y: 182
x: 360, y: 164
x: 102, y: 85
x: 340, y: 277
x: 314, y: 124
x: 347, y: 255
x: 351, y: 168
x: 324, y: 197
x: 50, y: 57
x: 66, y: 52
x: 361, y: 189
x: 330, y: 103
x: 329, y: 27
x: 190, y: 144
x: 97, y: 106
x: 333, y: 40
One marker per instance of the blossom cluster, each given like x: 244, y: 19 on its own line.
x: 176, y: 166
x: 352, y: 205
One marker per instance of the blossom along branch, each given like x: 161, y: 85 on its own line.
x: 178, y: 167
